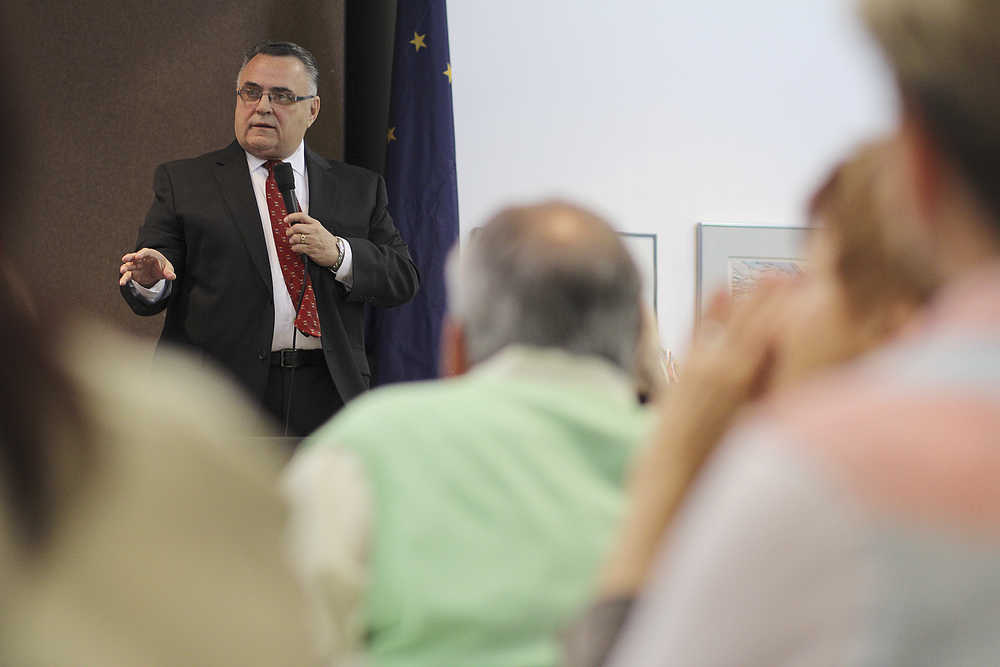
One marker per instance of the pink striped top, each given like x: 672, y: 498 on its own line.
x: 854, y: 522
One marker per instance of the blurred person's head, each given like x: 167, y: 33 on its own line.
x: 860, y: 288
x: 551, y: 275
x: 945, y: 55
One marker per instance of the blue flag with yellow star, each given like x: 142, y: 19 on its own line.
x: 423, y: 190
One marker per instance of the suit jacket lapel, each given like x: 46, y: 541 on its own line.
x: 323, y: 193
x: 324, y: 202
x: 237, y: 194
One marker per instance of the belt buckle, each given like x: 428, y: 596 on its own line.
x: 290, y: 359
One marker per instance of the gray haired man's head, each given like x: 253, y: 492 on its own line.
x: 550, y: 275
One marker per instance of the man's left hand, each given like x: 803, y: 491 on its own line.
x: 309, y: 237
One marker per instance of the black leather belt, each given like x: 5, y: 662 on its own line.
x: 296, y: 358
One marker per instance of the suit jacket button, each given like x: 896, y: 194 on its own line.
x: 262, y: 356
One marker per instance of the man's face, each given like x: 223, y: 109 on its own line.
x: 267, y: 130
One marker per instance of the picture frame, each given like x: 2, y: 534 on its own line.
x: 734, y: 257
x: 642, y: 247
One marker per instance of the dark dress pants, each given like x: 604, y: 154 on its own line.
x: 301, y: 399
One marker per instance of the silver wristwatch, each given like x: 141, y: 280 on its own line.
x: 340, y: 256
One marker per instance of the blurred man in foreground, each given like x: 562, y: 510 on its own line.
x: 856, y: 520
x: 460, y: 522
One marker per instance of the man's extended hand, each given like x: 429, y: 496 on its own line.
x: 309, y: 237
x: 146, y: 267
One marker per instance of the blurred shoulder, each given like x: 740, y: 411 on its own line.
x: 401, y: 403
x: 176, y: 398
x: 175, y: 496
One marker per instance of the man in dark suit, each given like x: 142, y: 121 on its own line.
x: 219, y: 251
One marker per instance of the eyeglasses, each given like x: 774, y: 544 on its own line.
x: 252, y: 94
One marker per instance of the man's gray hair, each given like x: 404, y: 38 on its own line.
x: 551, y: 275
x: 274, y: 48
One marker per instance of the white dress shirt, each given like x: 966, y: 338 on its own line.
x: 284, y: 309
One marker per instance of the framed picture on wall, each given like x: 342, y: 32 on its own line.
x: 735, y: 257
x: 643, y: 250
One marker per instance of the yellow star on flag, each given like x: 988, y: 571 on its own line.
x: 418, y: 41
x: 447, y: 72
x: 390, y: 136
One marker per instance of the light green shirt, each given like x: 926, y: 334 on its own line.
x: 493, y: 498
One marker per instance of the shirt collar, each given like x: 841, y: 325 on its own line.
x: 555, y: 366
x: 296, y: 159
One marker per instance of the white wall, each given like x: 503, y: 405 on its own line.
x: 660, y: 113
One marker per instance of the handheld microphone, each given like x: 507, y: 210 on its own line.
x: 286, y: 185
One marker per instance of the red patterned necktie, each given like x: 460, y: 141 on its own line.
x: 307, y: 320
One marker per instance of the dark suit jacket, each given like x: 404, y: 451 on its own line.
x: 204, y: 219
